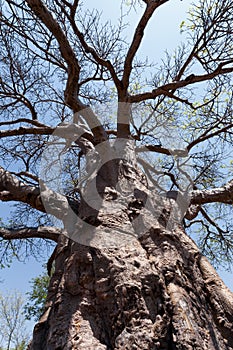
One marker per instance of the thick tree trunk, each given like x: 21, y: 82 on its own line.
x: 152, y: 289
x: 158, y: 292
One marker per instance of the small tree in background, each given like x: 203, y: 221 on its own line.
x: 13, y: 333
x: 34, y: 307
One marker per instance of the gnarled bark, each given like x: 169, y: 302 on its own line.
x: 154, y: 291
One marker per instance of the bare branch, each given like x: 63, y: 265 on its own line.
x: 24, y: 120
x: 27, y: 131
x: 71, y: 91
x: 172, y: 87
x: 192, y: 212
x: 51, y: 233
x: 148, y: 167
x: 67, y: 52
x: 137, y: 39
x: 205, y: 136
x: 66, y: 131
x: 49, y: 56
x: 11, y: 189
x: 212, y: 222
x: 28, y: 175
x: 222, y: 194
x: 162, y: 150
x: 152, y: 148
x: 124, y: 114
x: 88, y: 49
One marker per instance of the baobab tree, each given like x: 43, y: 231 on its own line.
x: 130, y: 158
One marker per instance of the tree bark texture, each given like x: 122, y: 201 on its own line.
x: 154, y: 292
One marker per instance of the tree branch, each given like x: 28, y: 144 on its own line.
x: 67, y: 52
x: 137, y: 39
x: 222, y: 194
x: 27, y: 131
x: 51, y: 233
x: 212, y: 222
x: 192, y: 212
x: 149, y: 167
x: 88, y: 49
x: 64, y: 130
x: 11, y: 189
x: 71, y: 91
x: 21, y: 32
x: 124, y: 111
x: 24, y: 120
x: 162, y: 150
x: 205, y: 136
x: 172, y: 87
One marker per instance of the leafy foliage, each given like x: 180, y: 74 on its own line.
x: 34, y: 307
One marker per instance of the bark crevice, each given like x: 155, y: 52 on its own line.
x: 152, y: 291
